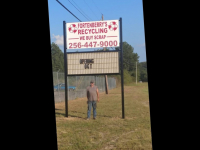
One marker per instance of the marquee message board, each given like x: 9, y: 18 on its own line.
x: 93, y: 63
x: 96, y: 34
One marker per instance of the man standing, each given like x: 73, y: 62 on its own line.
x: 93, y: 97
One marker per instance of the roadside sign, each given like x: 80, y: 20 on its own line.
x: 95, y: 34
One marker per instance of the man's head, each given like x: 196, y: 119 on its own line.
x: 92, y: 82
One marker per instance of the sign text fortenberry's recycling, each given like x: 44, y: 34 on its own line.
x: 92, y: 34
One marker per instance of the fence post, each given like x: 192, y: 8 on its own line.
x: 58, y: 86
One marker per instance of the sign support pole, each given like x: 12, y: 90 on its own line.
x: 136, y: 72
x: 122, y: 73
x: 65, y: 65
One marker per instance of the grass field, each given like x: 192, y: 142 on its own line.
x: 109, y: 130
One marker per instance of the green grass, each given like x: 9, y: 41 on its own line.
x: 109, y: 131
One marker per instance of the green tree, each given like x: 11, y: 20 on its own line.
x: 129, y: 57
x: 143, y: 71
x: 129, y: 60
x: 57, y: 58
x: 127, y: 77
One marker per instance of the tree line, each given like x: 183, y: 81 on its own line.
x: 129, y: 63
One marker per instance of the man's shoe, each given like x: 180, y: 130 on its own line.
x: 94, y: 118
x: 88, y: 119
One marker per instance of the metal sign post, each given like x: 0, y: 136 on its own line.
x: 65, y: 65
x: 122, y: 72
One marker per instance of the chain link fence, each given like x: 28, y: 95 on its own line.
x: 80, y: 84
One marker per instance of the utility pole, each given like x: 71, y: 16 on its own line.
x: 106, y: 79
x: 136, y: 72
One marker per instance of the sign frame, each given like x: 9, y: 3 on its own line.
x: 66, y: 74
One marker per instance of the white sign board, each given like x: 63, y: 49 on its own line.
x: 92, y: 34
x: 93, y: 63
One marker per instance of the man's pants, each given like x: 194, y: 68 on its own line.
x: 90, y: 105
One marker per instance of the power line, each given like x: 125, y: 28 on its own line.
x: 82, y: 10
x: 79, y: 11
x: 97, y: 7
x: 68, y: 10
x: 90, y: 9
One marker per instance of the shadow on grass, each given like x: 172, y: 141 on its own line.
x: 77, y: 116
x: 62, y: 114
x: 97, y: 114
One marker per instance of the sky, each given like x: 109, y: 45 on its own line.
x: 131, y: 12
